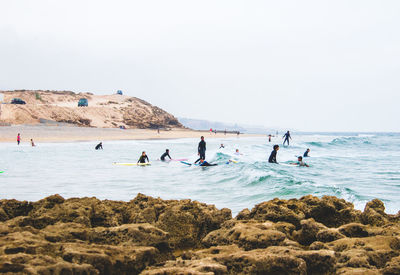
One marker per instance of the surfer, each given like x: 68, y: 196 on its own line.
x: 99, y: 146
x: 222, y: 146
x: 300, y: 162
x: 237, y: 152
x: 286, y: 136
x: 201, y: 150
x: 166, y: 154
x: 18, y: 138
x: 306, y: 153
x: 143, y: 158
x: 269, y: 138
x: 272, y: 157
x: 205, y: 163
x: 32, y: 143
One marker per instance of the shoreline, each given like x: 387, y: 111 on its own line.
x: 45, y: 133
x: 148, y: 235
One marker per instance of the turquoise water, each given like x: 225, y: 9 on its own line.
x: 357, y: 168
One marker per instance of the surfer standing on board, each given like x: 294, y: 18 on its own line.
x: 286, y: 137
x: 201, y: 150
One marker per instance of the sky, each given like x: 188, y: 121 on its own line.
x: 301, y: 65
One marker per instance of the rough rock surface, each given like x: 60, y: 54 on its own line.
x: 105, y: 111
x: 149, y: 235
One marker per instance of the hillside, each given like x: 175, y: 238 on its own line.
x: 104, y: 111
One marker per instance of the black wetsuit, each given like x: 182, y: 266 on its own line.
x: 205, y: 163
x: 305, y: 154
x: 286, y: 136
x: 201, y: 150
x: 99, y: 146
x: 164, y: 156
x: 142, y: 159
x: 272, y: 157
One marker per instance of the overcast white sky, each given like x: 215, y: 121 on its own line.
x: 306, y: 65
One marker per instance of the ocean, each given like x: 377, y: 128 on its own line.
x: 355, y: 167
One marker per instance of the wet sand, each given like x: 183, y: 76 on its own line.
x: 41, y: 133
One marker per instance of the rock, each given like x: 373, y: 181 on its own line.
x: 308, y: 232
x: 329, y: 235
x: 250, y: 235
x: 154, y: 236
x: 354, y: 230
x: 374, y: 213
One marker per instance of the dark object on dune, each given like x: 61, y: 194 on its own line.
x: 119, y: 92
x: 83, y: 102
x: 17, y: 101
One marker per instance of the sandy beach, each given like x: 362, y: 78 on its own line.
x: 42, y: 133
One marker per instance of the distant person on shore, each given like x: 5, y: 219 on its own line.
x: 300, y: 162
x: 201, y: 150
x: 222, y: 146
x: 18, y: 138
x: 225, y: 132
x: 205, y: 163
x: 143, y: 158
x: 306, y: 153
x: 166, y: 154
x: 286, y: 137
x: 269, y: 138
x: 211, y: 130
x: 272, y: 157
x: 238, y: 133
x: 32, y: 143
x: 99, y: 146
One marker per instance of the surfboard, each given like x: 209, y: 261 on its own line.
x: 187, y: 163
x: 132, y: 164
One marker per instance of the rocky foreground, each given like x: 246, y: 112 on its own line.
x: 155, y: 236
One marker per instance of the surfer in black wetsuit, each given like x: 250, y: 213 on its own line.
x: 143, y: 158
x: 272, y: 157
x: 205, y: 163
x: 286, y: 136
x: 306, y: 153
x: 166, y: 154
x: 99, y: 146
x: 201, y: 150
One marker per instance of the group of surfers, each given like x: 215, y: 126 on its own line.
x: 201, y: 152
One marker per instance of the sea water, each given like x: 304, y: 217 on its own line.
x: 355, y: 167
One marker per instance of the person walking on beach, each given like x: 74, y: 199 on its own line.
x: 143, y: 158
x: 286, y: 137
x: 201, y: 150
x: 306, y: 153
x: 18, y: 138
x: 269, y: 138
x: 166, y: 154
x: 99, y: 146
x: 32, y: 143
x: 272, y: 157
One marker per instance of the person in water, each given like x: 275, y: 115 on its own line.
x: 269, y: 138
x: 205, y: 163
x: 300, y: 162
x: 306, y: 153
x: 237, y: 152
x: 143, y: 158
x: 18, y: 138
x: 272, y: 157
x: 99, y: 146
x: 32, y: 143
x: 166, y: 154
x: 201, y: 150
x: 286, y: 137
x: 222, y: 146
